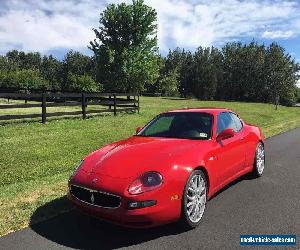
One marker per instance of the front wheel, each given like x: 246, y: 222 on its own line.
x: 259, y: 161
x: 194, y: 199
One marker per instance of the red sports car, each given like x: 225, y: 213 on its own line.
x: 169, y: 169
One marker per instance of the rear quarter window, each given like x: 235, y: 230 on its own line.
x: 237, y: 121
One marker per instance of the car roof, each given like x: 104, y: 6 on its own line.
x: 211, y: 110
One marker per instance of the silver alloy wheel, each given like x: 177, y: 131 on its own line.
x: 260, y: 159
x: 196, y: 198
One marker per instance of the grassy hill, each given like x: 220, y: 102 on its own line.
x: 36, y: 159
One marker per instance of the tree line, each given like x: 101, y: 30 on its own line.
x: 31, y: 70
x: 126, y: 59
x: 243, y: 72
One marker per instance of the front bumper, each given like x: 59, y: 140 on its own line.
x: 138, y: 218
x: 163, y: 212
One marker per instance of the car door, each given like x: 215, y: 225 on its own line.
x: 230, y: 152
x: 240, y: 134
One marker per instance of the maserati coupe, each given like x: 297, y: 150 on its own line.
x: 169, y: 169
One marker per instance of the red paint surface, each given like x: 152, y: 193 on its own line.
x: 118, y: 164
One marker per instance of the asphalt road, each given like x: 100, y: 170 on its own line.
x: 267, y: 205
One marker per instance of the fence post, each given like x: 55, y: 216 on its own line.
x: 115, y: 105
x: 138, y: 103
x: 83, y: 105
x: 109, y: 101
x: 134, y: 102
x: 44, y: 107
x: 26, y: 92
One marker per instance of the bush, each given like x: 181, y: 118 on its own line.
x: 83, y: 83
x: 23, y: 79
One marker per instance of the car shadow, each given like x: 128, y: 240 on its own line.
x: 247, y: 176
x: 76, y: 230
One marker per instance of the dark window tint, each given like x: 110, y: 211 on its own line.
x: 189, y: 125
x: 237, y: 122
x: 163, y: 124
x: 225, y: 121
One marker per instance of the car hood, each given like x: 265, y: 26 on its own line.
x: 133, y: 156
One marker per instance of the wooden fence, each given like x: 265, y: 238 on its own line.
x: 113, y: 102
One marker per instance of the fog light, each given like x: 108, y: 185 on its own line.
x: 149, y: 203
x: 141, y: 204
x: 133, y: 204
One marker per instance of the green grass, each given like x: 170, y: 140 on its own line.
x: 36, y: 159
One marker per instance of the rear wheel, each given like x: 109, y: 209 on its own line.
x: 194, y: 199
x: 259, y: 161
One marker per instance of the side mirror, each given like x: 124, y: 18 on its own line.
x: 138, y: 129
x: 225, y: 134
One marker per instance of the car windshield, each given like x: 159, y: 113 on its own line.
x: 185, y: 125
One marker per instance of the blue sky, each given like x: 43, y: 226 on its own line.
x: 55, y: 26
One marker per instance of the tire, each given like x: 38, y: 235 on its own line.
x: 194, y: 200
x: 259, y: 161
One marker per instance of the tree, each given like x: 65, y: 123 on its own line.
x: 281, y: 74
x: 243, y: 72
x: 168, y: 83
x: 297, y: 94
x: 51, y: 70
x: 3, y: 63
x: 252, y: 72
x: 3, y: 79
x: 77, y: 64
x: 125, y: 47
x: 180, y: 61
x: 206, y: 72
x: 228, y: 90
x: 31, y: 60
x: 21, y: 60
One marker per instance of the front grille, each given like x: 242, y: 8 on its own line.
x: 95, y: 198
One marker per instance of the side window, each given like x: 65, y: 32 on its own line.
x: 237, y: 122
x: 225, y: 121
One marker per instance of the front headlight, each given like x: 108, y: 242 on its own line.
x: 146, y: 182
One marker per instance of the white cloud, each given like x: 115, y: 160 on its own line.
x: 46, y: 25
x: 194, y: 23
x: 278, y: 34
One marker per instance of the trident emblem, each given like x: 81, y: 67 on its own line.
x: 92, y: 198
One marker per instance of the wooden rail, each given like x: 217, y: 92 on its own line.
x: 114, y: 102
